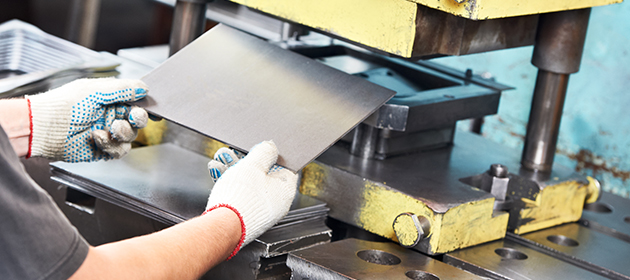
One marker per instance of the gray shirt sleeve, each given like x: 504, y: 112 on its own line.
x: 36, y: 240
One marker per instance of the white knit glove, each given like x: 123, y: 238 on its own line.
x: 86, y: 120
x: 258, y: 191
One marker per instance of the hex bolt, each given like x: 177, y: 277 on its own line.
x: 499, y: 170
x: 411, y: 229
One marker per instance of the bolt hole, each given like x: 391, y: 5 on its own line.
x: 378, y: 257
x: 563, y: 240
x: 389, y: 73
x: 449, y: 96
x: 598, y: 207
x: 627, y: 219
x: 421, y: 275
x: 509, y: 253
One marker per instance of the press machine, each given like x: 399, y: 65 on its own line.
x: 405, y: 174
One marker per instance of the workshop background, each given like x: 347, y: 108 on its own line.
x: 595, y: 131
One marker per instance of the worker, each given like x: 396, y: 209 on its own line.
x: 87, y: 120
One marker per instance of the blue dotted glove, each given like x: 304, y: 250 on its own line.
x: 86, y: 120
x: 223, y: 159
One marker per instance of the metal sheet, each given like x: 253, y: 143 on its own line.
x: 241, y: 90
x: 610, y: 215
x: 358, y: 259
x: 587, y: 248
x: 164, y: 182
x: 30, y: 57
x: 505, y: 259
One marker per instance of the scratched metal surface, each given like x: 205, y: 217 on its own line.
x: 164, y: 182
x: 241, y: 90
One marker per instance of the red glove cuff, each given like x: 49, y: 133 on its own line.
x: 30, y: 136
x: 240, y: 242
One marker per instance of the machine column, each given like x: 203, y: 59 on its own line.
x: 83, y: 22
x: 557, y: 54
x: 189, y: 21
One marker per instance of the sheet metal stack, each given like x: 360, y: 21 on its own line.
x: 170, y: 184
x: 32, y: 60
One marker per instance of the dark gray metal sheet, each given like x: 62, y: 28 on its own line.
x: 241, y: 90
x: 585, y: 247
x: 610, y: 215
x: 508, y: 260
x: 351, y: 259
x: 163, y: 182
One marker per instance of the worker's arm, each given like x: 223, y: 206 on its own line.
x: 184, y: 251
x: 247, y: 200
x: 15, y: 121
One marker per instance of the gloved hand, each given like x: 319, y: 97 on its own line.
x: 258, y: 191
x: 85, y: 120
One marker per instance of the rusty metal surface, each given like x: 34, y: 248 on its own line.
x: 241, y: 90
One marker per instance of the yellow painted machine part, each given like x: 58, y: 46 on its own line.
x: 470, y: 224
x: 462, y: 226
x: 490, y: 9
x: 387, y: 25
x: 381, y: 206
x: 390, y: 25
x: 554, y: 205
x: 153, y: 134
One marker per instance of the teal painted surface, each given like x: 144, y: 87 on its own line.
x: 595, y: 129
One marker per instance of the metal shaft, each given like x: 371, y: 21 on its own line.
x: 83, y: 22
x: 544, y: 120
x: 188, y: 23
x: 557, y: 54
x: 364, y: 141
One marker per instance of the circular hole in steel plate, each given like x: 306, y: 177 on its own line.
x: 598, y: 207
x: 509, y: 253
x: 563, y: 240
x: 378, y: 257
x: 421, y: 275
x: 627, y: 219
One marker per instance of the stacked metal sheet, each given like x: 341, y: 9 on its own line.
x: 170, y: 184
x: 30, y: 56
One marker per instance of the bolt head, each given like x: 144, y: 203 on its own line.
x: 410, y: 229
